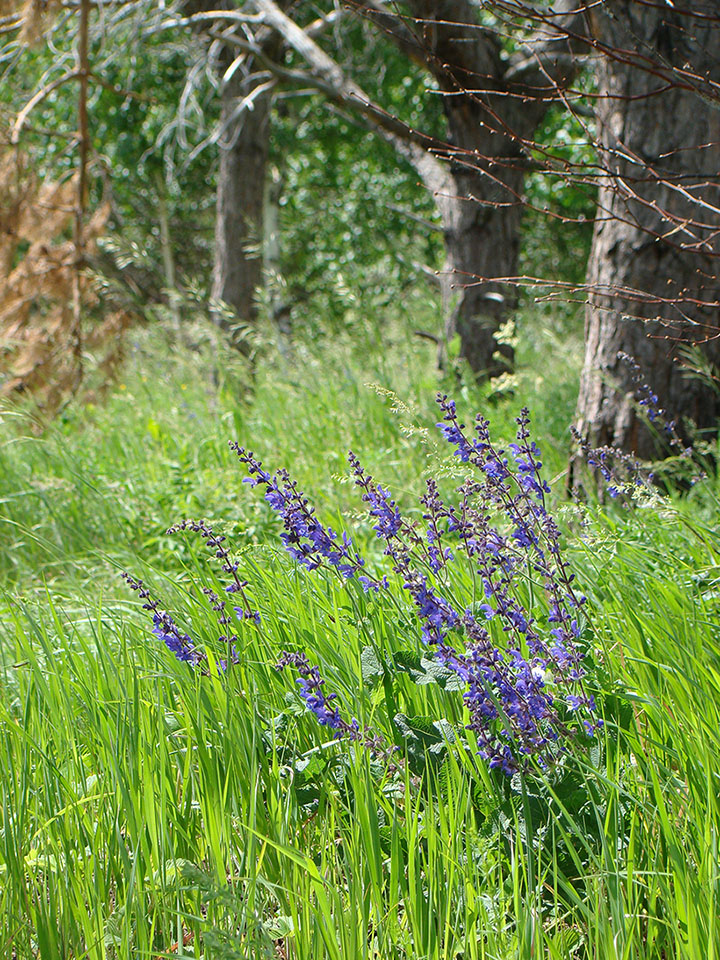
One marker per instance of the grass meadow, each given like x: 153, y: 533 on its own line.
x: 151, y: 810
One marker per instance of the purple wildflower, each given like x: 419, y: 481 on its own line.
x: 304, y: 537
x: 317, y: 701
x: 511, y: 711
x: 164, y: 627
x: 621, y: 472
x: 216, y: 545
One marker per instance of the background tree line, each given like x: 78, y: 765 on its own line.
x: 318, y: 125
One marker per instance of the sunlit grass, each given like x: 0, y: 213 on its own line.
x: 148, y: 810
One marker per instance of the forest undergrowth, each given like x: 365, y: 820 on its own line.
x: 164, y: 806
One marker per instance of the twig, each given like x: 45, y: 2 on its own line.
x: 37, y: 98
x: 416, y: 218
x: 83, y: 73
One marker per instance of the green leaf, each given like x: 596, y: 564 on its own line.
x: 434, y: 672
x: 279, y: 927
x: 423, y: 670
x: 370, y: 665
x: 407, y: 661
x: 424, y: 738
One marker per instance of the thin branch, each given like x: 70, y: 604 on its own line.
x: 122, y: 91
x: 330, y: 78
x: 37, y: 98
x: 416, y: 218
x: 211, y: 16
x: 83, y: 72
x: 551, y: 54
x: 394, y: 28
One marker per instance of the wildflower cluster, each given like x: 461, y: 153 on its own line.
x: 502, y: 525
x: 648, y: 399
x: 620, y: 471
x: 304, y: 537
x: 313, y: 693
x: 519, y: 657
x: 164, y: 626
x: 215, y: 543
x: 523, y: 678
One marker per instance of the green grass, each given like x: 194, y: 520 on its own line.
x: 143, y: 805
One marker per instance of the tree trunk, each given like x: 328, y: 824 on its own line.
x: 481, y: 216
x: 493, y: 103
x: 279, y: 306
x: 243, y: 148
x: 653, y: 272
x: 244, y: 145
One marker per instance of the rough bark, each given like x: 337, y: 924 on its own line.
x: 244, y: 145
x: 653, y: 272
x: 481, y: 213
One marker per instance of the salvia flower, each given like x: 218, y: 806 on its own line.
x: 512, y: 712
x: 452, y: 430
x: 320, y: 703
x: 438, y: 556
x: 502, y: 516
x: 216, y: 545
x: 646, y: 396
x: 621, y: 472
x: 304, y: 537
x: 164, y: 627
x: 520, y: 661
x: 381, y: 507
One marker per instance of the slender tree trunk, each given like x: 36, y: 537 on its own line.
x: 653, y: 272
x: 244, y: 146
x: 167, y: 252
x: 481, y: 216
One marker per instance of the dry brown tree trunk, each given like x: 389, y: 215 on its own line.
x: 653, y: 272
x: 244, y: 146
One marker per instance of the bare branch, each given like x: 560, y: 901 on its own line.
x: 459, y: 49
x: 394, y: 28
x: 549, y: 58
x: 83, y: 72
x: 329, y: 76
x: 409, y: 215
x: 212, y: 16
x: 37, y: 98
